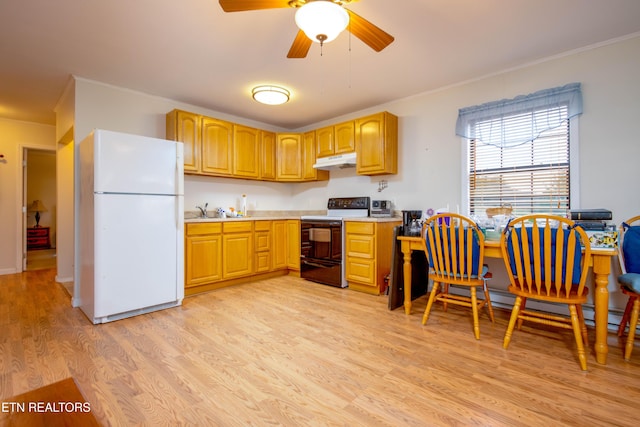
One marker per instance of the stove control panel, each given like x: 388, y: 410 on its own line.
x: 348, y: 203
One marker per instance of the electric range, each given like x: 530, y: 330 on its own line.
x: 322, y: 240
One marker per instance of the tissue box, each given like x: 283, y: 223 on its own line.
x: 605, y: 239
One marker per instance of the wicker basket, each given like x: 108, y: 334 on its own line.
x: 503, y: 210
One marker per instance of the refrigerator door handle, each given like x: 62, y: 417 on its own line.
x: 180, y: 168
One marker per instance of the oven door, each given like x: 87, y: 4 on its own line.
x: 321, y: 251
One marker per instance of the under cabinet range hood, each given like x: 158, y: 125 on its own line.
x: 346, y: 160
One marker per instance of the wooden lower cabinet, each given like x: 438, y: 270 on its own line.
x: 219, y: 254
x: 368, y: 249
x: 263, y: 245
x: 279, y: 245
x: 293, y: 245
x: 203, y: 254
x: 237, y: 249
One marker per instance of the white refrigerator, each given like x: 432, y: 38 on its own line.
x: 131, y: 225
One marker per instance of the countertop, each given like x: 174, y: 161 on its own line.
x: 273, y: 217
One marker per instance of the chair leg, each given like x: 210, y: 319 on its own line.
x: 583, y: 326
x: 432, y: 297
x: 474, y: 309
x: 512, y: 322
x: 522, y: 307
x: 487, y: 298
x: 577, y: 332
x: 633, y: 323
x: 445, y: 290
x: 625, y: 316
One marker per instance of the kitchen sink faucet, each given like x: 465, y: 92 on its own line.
x: 203, y: 211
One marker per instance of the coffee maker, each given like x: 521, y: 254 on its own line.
x: 411, y: 223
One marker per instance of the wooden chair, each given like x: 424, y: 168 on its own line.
x: 454, y: 246
x: 547, y: 258
x: 629, y: 281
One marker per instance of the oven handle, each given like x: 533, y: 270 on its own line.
x: 315, y: 264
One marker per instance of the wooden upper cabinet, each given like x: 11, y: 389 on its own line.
x: 309, y: 173
x: 377, y: 144
x: 267, y: 155
x: 324, y: 142
x: 336, y: 139
x: 220, y: 148
x: 185, y: 127
x: 217, y: 146
x: 345, y: 137
x: 246, y: 151
x: 289, y: 157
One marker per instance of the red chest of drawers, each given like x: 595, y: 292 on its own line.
x: 38, y: 238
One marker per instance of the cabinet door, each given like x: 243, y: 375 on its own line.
x: 238, y: 255
x: 360, y: 245
x: 361, y: 271
x: 324, y: 142
x: 246, y: 149
x: 293, y: 244
x: 262, y: 242
x: 377, y: 144
x: 279, y: 247
x: 289, y: 157
x: 267, y: 155
x: 309, y: 173
x: 217, y: 146
x: 203, y: 259
x: 185, y: 127
x: 345, y: 135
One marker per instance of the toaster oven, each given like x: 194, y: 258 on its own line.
x: 381, y: 208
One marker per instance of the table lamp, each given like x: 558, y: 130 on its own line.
x: 37, y: 206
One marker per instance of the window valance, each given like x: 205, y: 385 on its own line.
x: 512, y: 122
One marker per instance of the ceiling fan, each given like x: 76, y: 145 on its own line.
x: 374, y: 37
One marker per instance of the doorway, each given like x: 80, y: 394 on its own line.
x: 40, y: 201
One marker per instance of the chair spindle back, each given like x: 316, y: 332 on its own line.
x: 546, y: 255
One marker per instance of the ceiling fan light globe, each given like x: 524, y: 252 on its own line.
x: 322, y: 20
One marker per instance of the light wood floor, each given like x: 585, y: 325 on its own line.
x: 294, y: 353
x: 41, y: 259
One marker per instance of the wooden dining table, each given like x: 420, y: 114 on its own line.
x: 600, y: 262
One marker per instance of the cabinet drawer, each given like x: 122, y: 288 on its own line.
x: 263, y: 262
x: 262, y: 241
x: 361, y: 270
x: 361, y: 246
x: 360, y: 227
x: 38, y: 232
x: 262, y: 225
x: 200, y: 228
x: 237, y: 227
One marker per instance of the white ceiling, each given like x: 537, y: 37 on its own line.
x: 191, y: 51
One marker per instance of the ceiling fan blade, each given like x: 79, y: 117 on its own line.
x: 300, y: 46
x: 376, y: 38
x: 243, y: 5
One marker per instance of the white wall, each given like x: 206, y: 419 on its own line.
x: 65, y: 113
x: 14, y: 137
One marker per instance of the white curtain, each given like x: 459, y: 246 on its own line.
x: 512, y: 122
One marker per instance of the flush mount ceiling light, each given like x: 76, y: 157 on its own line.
x: 270, y: 95
x: 322, y: 20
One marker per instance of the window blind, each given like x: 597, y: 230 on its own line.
x: 532, y: 177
